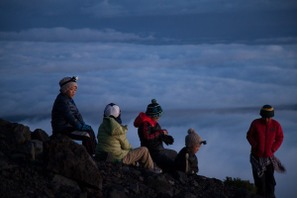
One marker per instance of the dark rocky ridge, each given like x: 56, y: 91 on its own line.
x: 35, y: 165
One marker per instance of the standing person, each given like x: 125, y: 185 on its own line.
x: 265, y: 136
x: 113, y: 144
x: 152, y: 136
x: 186, y: 160
x: 66, y: 118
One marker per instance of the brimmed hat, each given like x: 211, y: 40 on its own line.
x: 267, y: 111
x: 67, y: 82
x: 154, y: 109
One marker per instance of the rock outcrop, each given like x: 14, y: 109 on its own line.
x: 32, y: 164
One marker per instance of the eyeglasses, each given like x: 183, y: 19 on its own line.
x: 73, y: 79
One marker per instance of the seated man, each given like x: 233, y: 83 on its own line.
x: 67, y: 120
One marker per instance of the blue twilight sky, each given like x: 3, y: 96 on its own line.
x: 155, y: 21
x: 211, y: 64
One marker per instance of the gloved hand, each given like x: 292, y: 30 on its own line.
x: 85, y: 127
x: 168, y: 139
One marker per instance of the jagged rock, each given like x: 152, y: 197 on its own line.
x: 21, y: 133
x: 62, y: 184
x: 39, y: 134
x: 71, y: 160
x: 38, y: 146
x: 14, y: 140
x: 66, y: 170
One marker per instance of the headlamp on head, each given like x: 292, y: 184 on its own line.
x: 72, y: 79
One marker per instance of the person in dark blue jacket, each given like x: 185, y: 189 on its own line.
x: 66, y: 118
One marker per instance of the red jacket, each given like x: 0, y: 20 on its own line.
x: 265, y: 138
x: 150, y: 132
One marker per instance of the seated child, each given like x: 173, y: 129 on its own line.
x: 186, y: 160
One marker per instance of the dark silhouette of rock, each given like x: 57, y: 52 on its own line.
x: 67, y: 158
x: 35, y: 165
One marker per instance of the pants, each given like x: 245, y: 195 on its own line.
x: 140, y: 154
x: 88, y: 140
x: 265, y: 185
x: 164, y: 159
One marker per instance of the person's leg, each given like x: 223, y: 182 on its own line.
x: 87, y: 138
x: 165, y: 159
x: 139, y: 154
x: 259, y: 183
x: 270, y: 181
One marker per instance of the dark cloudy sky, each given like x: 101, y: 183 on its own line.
x: 211, y: 64
x: 156, y: 21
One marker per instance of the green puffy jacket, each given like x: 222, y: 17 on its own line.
x: 112, y: 139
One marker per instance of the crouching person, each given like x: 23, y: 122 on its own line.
x: 113, y: 144
x: 152, y: 136
x: 186, y: 160
x: 66, y: 118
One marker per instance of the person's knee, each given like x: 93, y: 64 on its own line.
x: 144, y: 149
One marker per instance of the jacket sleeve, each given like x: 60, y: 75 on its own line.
x: 71, y: 114
x: 251, y: 135
x: 278, y: 139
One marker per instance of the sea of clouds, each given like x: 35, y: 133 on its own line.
x: 217, y: 89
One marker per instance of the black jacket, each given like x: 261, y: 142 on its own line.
x: 181, y: 162
x: 65, y: 115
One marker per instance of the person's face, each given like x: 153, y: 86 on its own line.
x: 196, y: 148
x: 267, y: 120
x: 71, y: 92
x: 156, y: 118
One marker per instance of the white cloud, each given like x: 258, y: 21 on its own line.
x: 59, y: 34
x: 186, y: 75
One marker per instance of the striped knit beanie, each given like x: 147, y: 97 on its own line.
x: 154, y: 110
x: 267, y: 111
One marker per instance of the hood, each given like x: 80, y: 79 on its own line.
x: 141, y: 118
x: 112, y: 127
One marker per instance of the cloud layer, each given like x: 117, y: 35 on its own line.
x: 215, y: 88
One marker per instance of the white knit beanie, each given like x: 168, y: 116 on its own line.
x: 66, y: 83
x: 112, y: 110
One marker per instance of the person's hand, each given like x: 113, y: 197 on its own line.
x: 165, y: 132
x: 168, y: 139
x: 85, y: 127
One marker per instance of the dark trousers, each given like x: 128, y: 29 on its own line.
x: 88, y: 140
x: 164, y: 159
x: 265, y: 185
